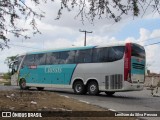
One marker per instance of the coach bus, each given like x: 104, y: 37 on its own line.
x: 91, y: 69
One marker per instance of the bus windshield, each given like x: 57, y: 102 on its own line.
x: 137, y: 51
x: 19, y: 59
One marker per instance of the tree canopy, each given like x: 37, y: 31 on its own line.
x: 12, y: 11
x: 9, y: 60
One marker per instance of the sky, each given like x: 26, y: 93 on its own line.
x: 65, y: 33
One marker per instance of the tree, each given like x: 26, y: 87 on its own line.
x: 9, y: 60
x: 15, y: 10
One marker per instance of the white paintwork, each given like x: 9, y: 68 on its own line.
x: 98, y: 71
x: 48, y: 85
x: 14, y: 79
x: 137, y: 78
x: 133, y: 87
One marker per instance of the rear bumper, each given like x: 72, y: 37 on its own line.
x: 133, y: 86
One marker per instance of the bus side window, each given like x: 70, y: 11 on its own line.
x: 100, y: 55
x: 52, y: 58
x: 29, y: 60
x: 83, y: 56
x: 111, y: 55
x: 40, y: 59
x: 67, y: 57
x: 119, y: 52
x: 115, y: 53
x: 71, y: 57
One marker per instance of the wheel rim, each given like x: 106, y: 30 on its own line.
x: 23, y: 84
x: 93, y: 88
x: 78, y: 88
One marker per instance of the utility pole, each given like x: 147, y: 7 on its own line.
x: 85, y: 32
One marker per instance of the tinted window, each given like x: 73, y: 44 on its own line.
x: 40, y: 59
x: 115, y: 53
x: 100, y: 55
x: 67, y: 57
x: 52, y: 58
x: 137, y: 51
x: 119, y: 51
x: 29, y: 60
x: 83, y: 56
x: 112, y: 55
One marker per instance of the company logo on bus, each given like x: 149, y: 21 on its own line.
x: 33, y: 67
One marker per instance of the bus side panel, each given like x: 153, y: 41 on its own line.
x: 98, y: 71
x: 59, y: 74
x: 48, y: 75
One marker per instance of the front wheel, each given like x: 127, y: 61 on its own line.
x: 93, y: 88
x: 22, y: 84
x: 79, y: 88
x: 109, y: 93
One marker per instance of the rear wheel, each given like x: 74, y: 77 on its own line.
x: 40, y: 88
x: 22, y: 84
x: 93, y: 88
x: 109, y: 93
x: 79, y: 88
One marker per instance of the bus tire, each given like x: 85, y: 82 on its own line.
x: 93, y: 88
x: 40, y: 88
x: 22, y: 84
x: 79, y: 88
x: 109, y: 93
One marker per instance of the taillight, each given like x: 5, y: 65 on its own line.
x: 127, y: 63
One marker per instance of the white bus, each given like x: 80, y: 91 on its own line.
x: 91, y: 69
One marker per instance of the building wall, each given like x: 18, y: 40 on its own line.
x: 148, y: 80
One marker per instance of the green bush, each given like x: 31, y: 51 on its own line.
x: 7, y: 76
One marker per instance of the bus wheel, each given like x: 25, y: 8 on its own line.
x: 79, y: 88
x: 22, y: 84
x: 40, y: 88
x: 93, y: 88
x: 109, y: 93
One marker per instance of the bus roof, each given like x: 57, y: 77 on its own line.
x: 78, y: 48
x: 61, y: 49
x: 112, y: 44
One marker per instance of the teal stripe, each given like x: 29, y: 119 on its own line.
x: 137, y: 71
x: 49, y: 74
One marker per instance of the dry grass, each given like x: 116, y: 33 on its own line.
x: 47, y: 101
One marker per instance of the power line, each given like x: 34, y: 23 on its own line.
x: 152, y: 44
